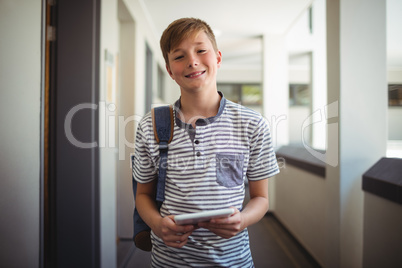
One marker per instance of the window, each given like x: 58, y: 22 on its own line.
x: 394, y: 95
x: 249, y: 95
x: 299, y: 95
x: 148, y: 79
x: 394, y: 148
x: 161, y: 88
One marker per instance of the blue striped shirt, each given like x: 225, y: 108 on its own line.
x: 207, y: 168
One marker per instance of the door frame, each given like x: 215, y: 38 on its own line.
x: 70, y: 201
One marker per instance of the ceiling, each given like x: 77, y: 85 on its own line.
x: 232, y: 18
x: 239, y: 24
x: 394, y: 36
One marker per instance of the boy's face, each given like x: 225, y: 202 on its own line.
x: 193, y: 64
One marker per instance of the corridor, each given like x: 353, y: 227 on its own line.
x: 271, y: 246
x: 78, y: 76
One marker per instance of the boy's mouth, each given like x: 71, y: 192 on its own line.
x: 195, y: 74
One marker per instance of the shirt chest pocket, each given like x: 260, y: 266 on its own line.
x: 229, y: 169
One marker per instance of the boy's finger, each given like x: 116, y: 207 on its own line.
x: 221, y: 221
x: 184, y: 228
x: 185, y: 236
x: 177, y: 240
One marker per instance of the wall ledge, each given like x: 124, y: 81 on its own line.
x: 299, y: 157
x: 384, y: 179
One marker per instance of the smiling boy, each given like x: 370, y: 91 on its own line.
x: 217, y: 145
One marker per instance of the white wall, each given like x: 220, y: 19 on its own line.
x: 297, y: 117
x: 20, y: 85
x: 127, y: 124
x: 276, y: 87
x: 238, y: 75
x: 301, y: 206
x: 395, y: 75
x: 394, y: 123
x: 362, y: 101
x: 109, y: 43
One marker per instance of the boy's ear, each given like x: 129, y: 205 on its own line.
x: 169, y: 72
x: 219, y: 57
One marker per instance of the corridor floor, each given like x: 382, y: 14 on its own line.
x: 271, y: 246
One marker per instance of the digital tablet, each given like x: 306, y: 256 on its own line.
x: 193, y: 218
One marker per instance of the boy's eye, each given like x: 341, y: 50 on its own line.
x: 201, y: 51
x: 178, y: 57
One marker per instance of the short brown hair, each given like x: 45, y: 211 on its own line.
x: 181, y: 29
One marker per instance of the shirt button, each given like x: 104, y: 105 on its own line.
x: 197, y: 142
x: 198, y: 154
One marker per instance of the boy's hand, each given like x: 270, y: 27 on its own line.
x: 172, y: 234
x: 225, y: 227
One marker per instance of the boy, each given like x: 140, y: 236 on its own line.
x: 216, y: 145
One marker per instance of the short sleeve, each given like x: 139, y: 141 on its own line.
x: 262, y: 163
x: 144, y: 167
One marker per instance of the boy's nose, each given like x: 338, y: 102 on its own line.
x: 192, y: 62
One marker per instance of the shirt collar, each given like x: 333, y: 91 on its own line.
x: 199, y: 122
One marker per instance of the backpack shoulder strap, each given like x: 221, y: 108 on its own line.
x: 163, y: 125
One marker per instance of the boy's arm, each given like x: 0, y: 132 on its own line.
x: 145, y: 202
x: 173, y: 235
x: 258, y: 204
x: 252, y: 212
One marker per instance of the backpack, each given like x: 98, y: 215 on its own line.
x: 163, y: 125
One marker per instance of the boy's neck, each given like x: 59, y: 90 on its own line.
x: 200, y: 104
